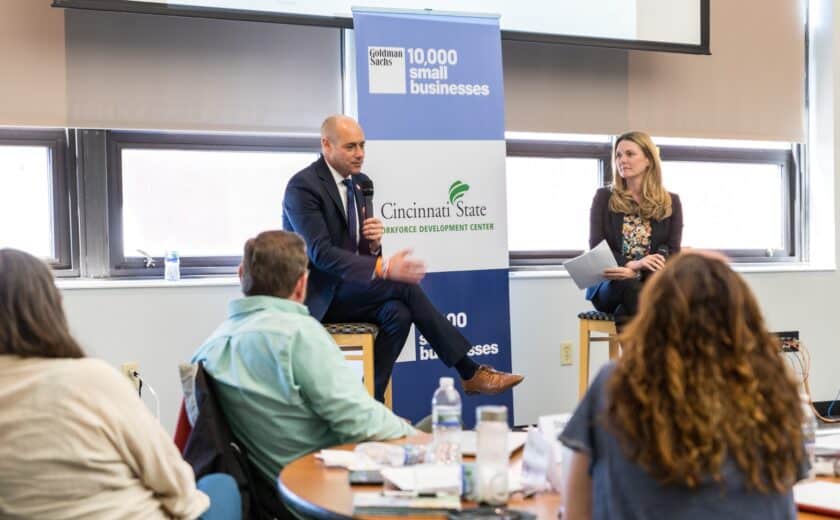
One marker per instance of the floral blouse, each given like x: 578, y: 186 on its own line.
x: 636, y: 231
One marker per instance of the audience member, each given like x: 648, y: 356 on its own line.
x: 282, y: 382
x: 699, y: 418
x: 75, y: 439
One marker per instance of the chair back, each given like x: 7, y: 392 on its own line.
x: 212, y: 448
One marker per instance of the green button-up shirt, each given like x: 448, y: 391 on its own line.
x: 285, y: 387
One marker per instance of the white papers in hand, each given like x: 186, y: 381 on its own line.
x: 588, y: 269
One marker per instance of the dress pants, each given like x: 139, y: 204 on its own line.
x: 393, y: 307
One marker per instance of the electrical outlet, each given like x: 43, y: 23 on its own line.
x: 130, y: 369
x: 566, y: 353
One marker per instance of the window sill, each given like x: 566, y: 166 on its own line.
x: 114, y: 283
x: 549, y: 272
x: 515, y: 274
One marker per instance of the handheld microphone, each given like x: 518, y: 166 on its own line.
x: 663, y: 250
x: 367, y: 193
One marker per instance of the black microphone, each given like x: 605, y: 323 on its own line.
x: 367, y: 193
x: 663, y: 250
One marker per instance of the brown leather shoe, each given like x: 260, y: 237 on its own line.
x: 488, y: 380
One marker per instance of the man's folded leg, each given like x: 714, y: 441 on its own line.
x: 451, y: 346
x: 393, y: 306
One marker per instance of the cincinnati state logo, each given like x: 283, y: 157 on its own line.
x: 455, y: 207
x: 457, y: 191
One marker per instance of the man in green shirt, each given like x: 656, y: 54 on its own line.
x: 282, y: 382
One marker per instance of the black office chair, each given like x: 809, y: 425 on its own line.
x: 212, y: 448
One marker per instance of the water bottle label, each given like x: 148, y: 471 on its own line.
x: 448, y: 419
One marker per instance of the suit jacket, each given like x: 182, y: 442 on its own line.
x: 605, y: 224
x: 312, y: 207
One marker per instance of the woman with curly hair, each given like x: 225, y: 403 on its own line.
x: 699, y: 418
x: 639, y: 219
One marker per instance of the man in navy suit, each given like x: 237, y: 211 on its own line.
x: 349, y: 278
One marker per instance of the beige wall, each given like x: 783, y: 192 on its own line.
x: 751, y: 87
x: 32, y: 61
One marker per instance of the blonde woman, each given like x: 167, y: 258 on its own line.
x: 639, y: 219
x: 699, y: 418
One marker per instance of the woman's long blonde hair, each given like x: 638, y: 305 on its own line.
x: 656, y: 201
x: 702, y: 381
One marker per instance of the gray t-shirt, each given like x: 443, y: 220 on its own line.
x: 623, y: 489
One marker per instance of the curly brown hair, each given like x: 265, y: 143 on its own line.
x: 701, y: 381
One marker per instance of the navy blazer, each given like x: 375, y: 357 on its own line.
x: 312, y: 207
x: 605, y: 224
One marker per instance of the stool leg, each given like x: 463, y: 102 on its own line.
x: 389, y: 399
x: 583, y: 373
x: 613, y: 339
x: 367, y: 361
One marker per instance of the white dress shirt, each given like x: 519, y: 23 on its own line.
x: 342, y: 192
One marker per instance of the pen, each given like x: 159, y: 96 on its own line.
x: 410, y: 494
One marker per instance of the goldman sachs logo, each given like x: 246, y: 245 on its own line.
x: 454, y: 207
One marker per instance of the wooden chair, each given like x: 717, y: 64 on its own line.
x: 356, y: 342
x: 599, y: 322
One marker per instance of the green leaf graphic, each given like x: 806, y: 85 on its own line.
x: 457, y: 190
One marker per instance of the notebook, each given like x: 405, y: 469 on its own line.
x: 818, y: 496
x: 376, y: 503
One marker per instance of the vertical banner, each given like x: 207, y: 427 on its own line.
x: 431, y: 102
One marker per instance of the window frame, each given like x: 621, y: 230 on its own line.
x: 65, y: 217
x: 789, y: 160
x: 786, y: 160
x: 190, y: 266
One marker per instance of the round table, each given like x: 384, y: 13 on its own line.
x: 316, y: 491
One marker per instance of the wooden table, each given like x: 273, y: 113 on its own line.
x: 316, y: 491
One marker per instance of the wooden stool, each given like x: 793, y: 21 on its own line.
x: 356, y: 343
x: 594, y: 321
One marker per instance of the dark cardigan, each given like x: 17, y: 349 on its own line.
x: 605, y: 224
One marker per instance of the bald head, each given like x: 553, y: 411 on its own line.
x: 343, y: 144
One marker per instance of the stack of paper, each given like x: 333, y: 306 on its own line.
x: 469, y: 442
x: 425, y: 478
x: 828, y: 445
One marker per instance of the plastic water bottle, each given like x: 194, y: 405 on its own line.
x: 491, y: 459
x: 446, y: 424
x: 391, y: 455
x: 809, y: 434
x: 171, y: 266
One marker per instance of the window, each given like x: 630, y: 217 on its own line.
x: 739, y: 201
x: 202, y: 196
x: 738, y: 197
x: 550, y: 186
x: 36, y: 199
